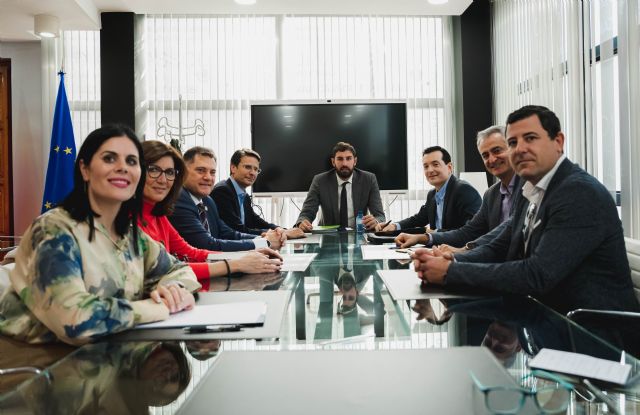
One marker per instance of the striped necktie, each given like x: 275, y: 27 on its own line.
x: 202, y: 214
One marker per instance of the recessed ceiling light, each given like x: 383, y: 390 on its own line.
x: 436, y: 2
x: 245, y: 2
x: 46, y: 26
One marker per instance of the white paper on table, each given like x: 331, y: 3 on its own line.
x: 582, y: 365
x: 219, y: 256
x: 296, y: 262
x: 388, y: 251
x: 310, y: 239
x: 245, y: 312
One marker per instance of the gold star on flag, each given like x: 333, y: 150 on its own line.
x: 67, y: 150
x: 48, y: 205
x: 57, y: 149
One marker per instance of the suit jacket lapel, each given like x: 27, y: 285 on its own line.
x: 356, y: 191
x: 431, y: 208
x: 451, y: 189
x: 332, y: 217
x: 563, y: 170
x: 235, y: 195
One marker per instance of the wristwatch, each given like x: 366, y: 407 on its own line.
x: 470, y: 245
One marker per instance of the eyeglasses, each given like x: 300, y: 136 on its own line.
x: 154, y: 172
x: 257, y: 170
x: 503, y: 400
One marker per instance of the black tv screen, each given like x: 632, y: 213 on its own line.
x: 295, y: 142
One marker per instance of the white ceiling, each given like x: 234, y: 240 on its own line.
x: 16, y: 16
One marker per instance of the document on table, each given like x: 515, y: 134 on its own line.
x: 404, y: 284
x: 251, y: 313
x: 290, y: 262
x: 296, y: 262
x: 219, y: 256
x: 581, y: 365
x: 389, y: 251
x: 310, y: 239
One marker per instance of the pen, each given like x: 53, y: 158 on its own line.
x: 212, y: 329
x: 385, y: 225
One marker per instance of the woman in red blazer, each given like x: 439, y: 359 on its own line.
x: 165, y: 173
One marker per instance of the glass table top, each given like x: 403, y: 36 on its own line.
x: 338, y: 303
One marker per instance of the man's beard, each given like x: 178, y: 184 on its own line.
x: 344, y: 172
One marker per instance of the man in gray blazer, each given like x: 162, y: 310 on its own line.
x: 496, y: 202
x: 341, y: 193
x: 564, y: 243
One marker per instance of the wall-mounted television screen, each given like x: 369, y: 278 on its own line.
x: 295, y: 140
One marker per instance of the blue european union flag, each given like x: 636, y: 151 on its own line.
x: 62, y: 157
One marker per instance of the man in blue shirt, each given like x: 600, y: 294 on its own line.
x: 450, y: 204
x: 496, y: 202
x: 235, y: 204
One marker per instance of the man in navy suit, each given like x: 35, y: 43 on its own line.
x: 235, y: 204
x: 497, y: 201
x: 564, y: 243
x: 196, y: 217
x: 450, y: 204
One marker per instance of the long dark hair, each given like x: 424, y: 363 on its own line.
x: 153, y: 151
x: 77, y: 202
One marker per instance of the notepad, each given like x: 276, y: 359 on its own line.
x: 290, y: 262
x: 582, y: 365
x: 245, y: 313
x: 372, y: 252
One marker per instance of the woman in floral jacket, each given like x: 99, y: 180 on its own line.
x: 84, y: 270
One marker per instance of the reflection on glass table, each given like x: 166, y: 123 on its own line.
x: 338, y: 303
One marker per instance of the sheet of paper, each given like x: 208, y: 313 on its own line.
x: 245, y: 312
x: 581, y: 365
x: 310, y: 239
x: 387, y: 251
x: 404, y: 284
x: 296, y: 262
x: 226, y: 255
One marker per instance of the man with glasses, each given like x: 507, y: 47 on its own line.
x: 496, y: 202
x: 235, y: 204
x: 564, y: 243
x: 196, y: 217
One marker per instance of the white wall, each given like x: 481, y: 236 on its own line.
x: 27, y: 138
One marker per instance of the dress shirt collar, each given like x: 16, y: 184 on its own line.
x: 341, y: 180
x: 531, y: 191
x: 197, y: 200
x: 508, y: 190
x: 440, y: 194
x: 239, y: 190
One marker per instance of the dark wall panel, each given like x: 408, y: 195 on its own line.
x: 475, y: 38
x: 116, y: 66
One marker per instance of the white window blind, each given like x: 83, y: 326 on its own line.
x: 82, y: 80
x: 218, y: 64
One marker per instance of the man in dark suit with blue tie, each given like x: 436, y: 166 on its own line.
x: 497, y: 201
x: 235, y: 205
x: 450, y: 204
x: 196, y: 217
x: 564, y: 243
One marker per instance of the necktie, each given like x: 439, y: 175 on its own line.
x: 202, y: 214
x: 344, y: 216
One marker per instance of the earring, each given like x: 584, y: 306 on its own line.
x: 86, y: 187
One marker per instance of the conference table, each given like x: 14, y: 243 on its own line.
x: 339, y: 303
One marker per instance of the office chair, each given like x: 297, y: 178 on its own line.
x: 633, y: 254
